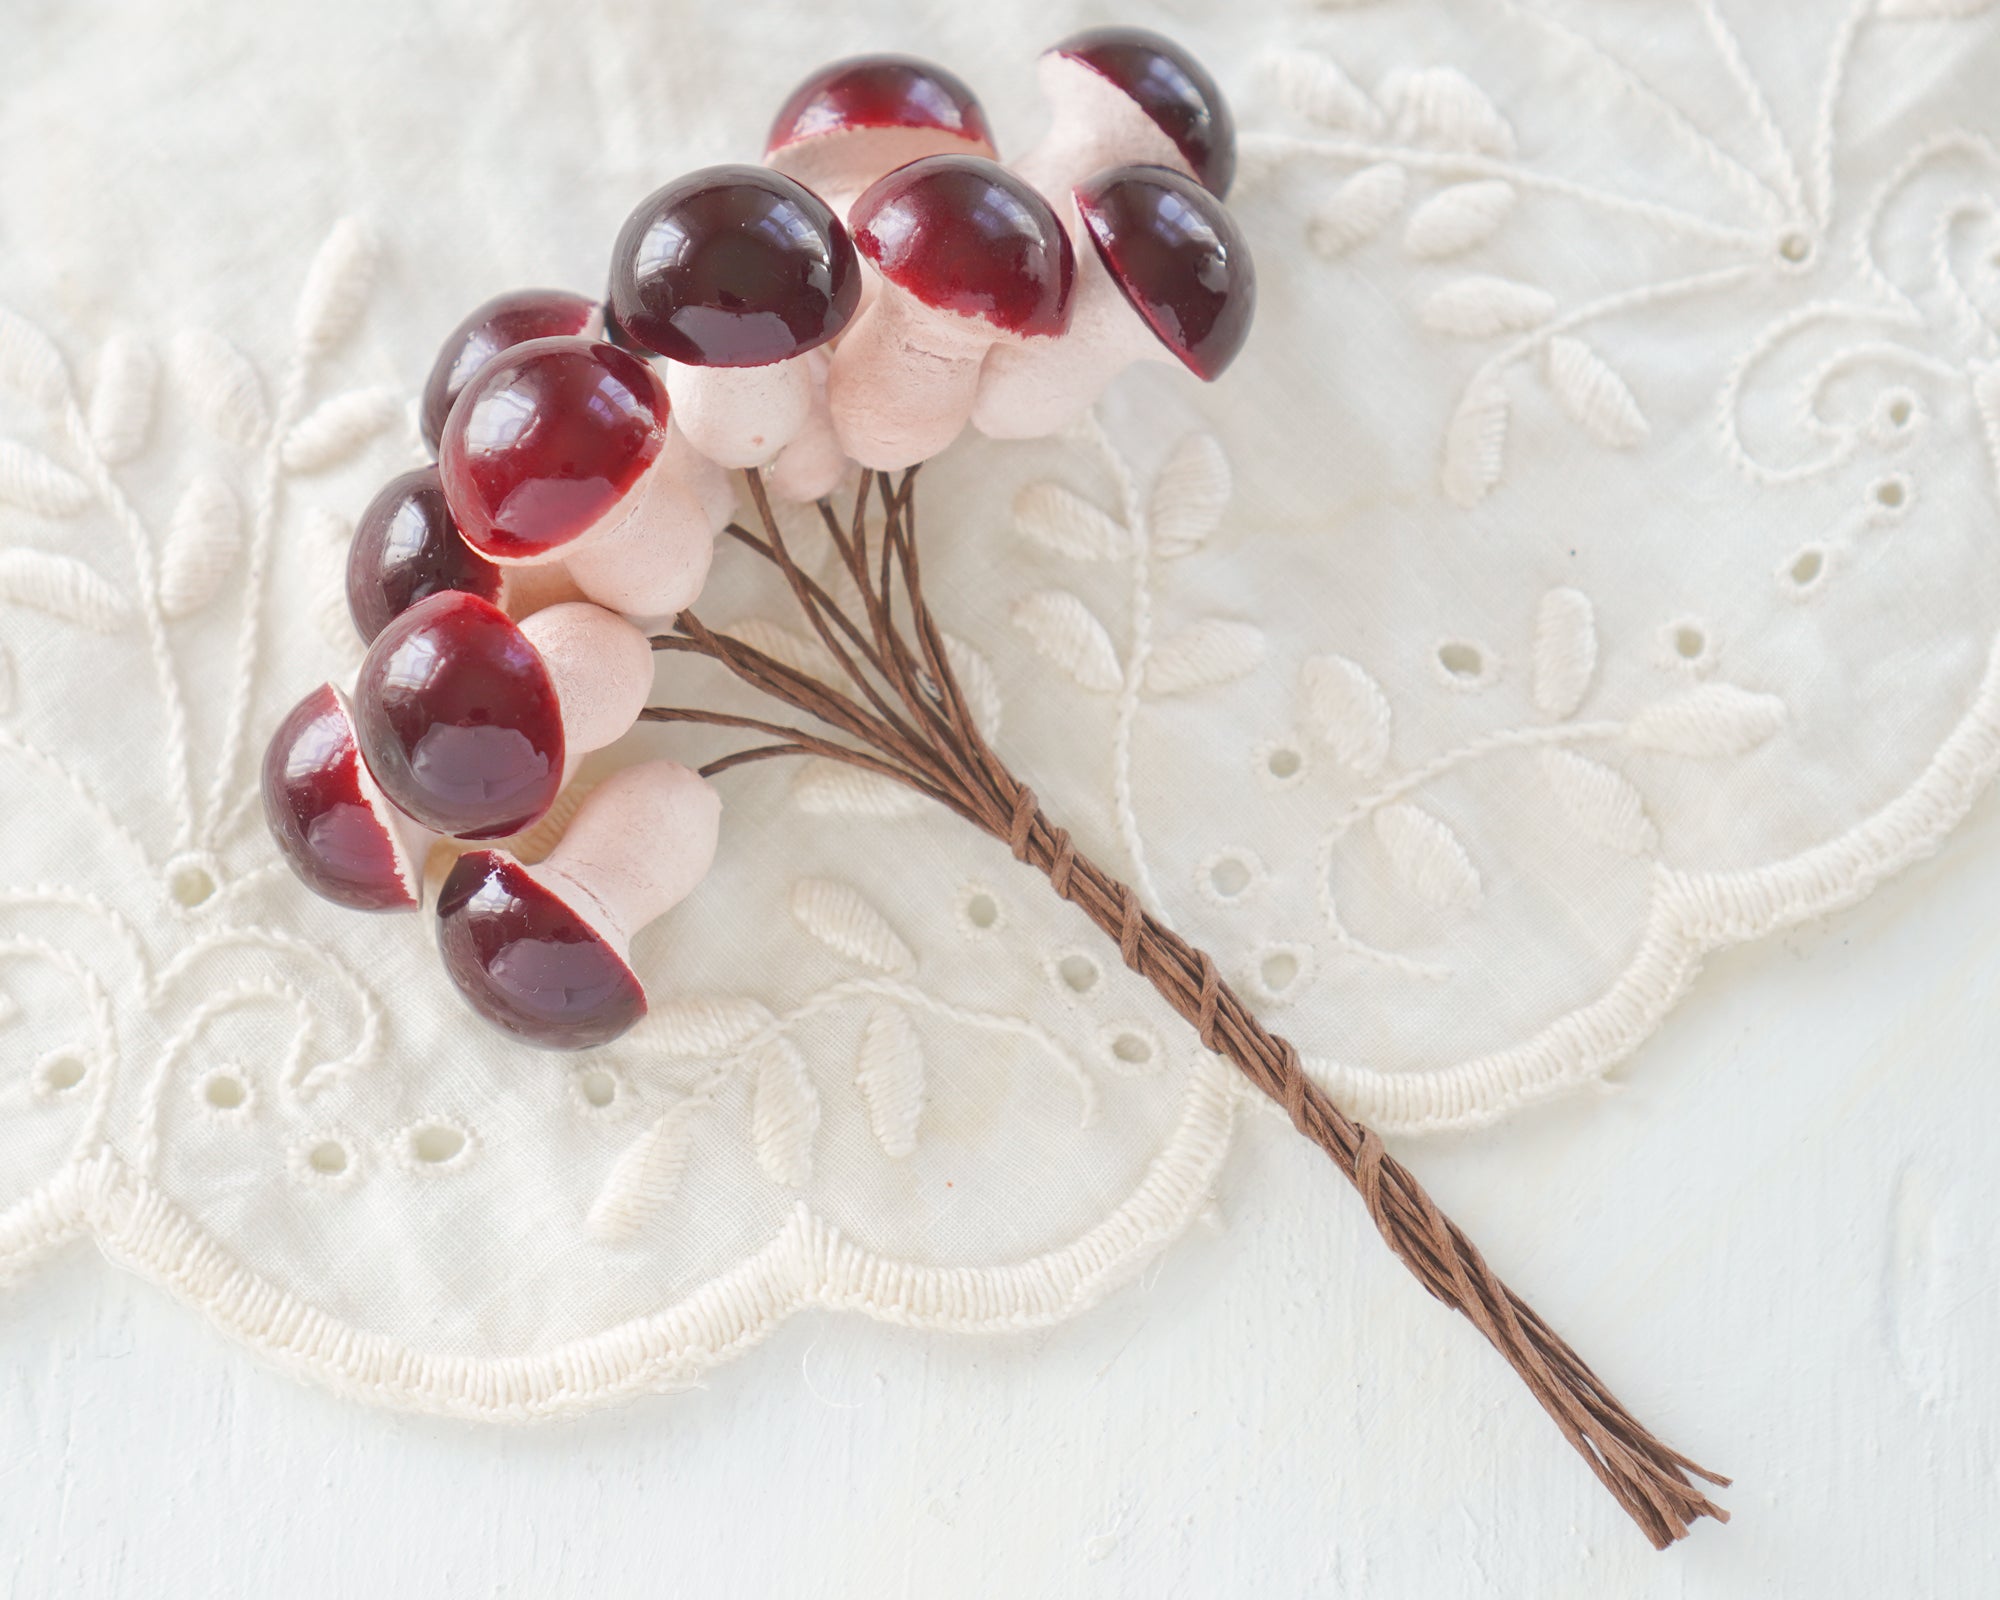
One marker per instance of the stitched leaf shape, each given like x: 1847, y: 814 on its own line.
x: 828, y: 788
x: 978, y: 682
x: 1358, y: 210
x: 1316, y: 88
x: 1210, y: 652
x: 203, y: 543
x: 1717, y: 719
x: 121, y: 401
x: 699, y: 1025
x: 339, y: 427
x: 224, y: 386
x: 1602, y: 804
x: 1189, y: 496
x: 63, y: 588
x: 33, y: 482
x: 890, y: 1075
x: 9, y: 688
x: 1347, y: 709
x: 30, y: 362
x: 1441, y: 106
x: 329, y: 528
x: 644, y: 1177
x: 1482, y: 306
x: 336, y: 286
x: 1065, y: 631
x: 840, y: 917
x: 1049, y: 515
x: 784, y: 1114
x: 1565, y: 651
x: 1453, y: 220
x: 1595, y: 395
x: 795, y: 649
x: 1428, y: 857
x: 1475, y: 442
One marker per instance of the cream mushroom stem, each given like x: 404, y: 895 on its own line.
x: 638, y: 845
x: 813, y: 464
x: 601, y: 668
x: 740, y: 416
x: 902, y: 381
x: 1094, y: 125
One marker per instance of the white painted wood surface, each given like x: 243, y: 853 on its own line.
x: 1776, y: 1238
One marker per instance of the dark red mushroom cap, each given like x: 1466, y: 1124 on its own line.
x: 880, y: 92
x: 328, y: 816
x: 507, y: 319
x: 547, y: 438
x: 1175, y: 251
x: 963, y: 234
x: 1172, y: 88
x: 458, y: 719
x: 527, y: 962
x: 733, y: 267
x: 406, y: 548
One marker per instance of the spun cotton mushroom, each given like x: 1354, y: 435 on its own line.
x: 502, y: 322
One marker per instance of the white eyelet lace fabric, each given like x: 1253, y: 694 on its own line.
x: 1589, y: 564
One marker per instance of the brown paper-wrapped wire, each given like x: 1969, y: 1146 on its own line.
x: 906, y: 718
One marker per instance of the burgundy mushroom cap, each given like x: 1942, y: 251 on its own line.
x: 507, y: 319
x: 406, y: 548
x: 1176, y: 254
x: 965, y: 235
x: 1171, y: 87
x: 328, y: 816
x: 878, y: 93
x: 733, y: 266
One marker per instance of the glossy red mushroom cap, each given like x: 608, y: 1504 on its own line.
x: 965, y: 235
x: 406, y: 548
x: 327, y: 814
x: 733, y: 267
x: 527, y: 962
x: 880, y: 92
x: 505, y: 320
x: 1176, y: 253
x: 1172, y: 88
x: 545, y: 440
x: 458, y: 719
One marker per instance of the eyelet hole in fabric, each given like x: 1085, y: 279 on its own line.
x: 1689, y: 642
x: 1462, y: 660
x: 191, y: 884
x: 1889, y: 497
x: 224, y: 1091
x: 61, y: 1072
x: 979, y: 912
x: 436, y: 1144
x: 1228, y: 875
x: 1077, y: 974
x: 329, y: 1158
x: 598, y: 1086
x: 1806, y: 570
x: 1131, y: 1047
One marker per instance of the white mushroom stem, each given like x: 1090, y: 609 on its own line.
x: 637, y: 846
x: 1031, y: 388
x: 813, y: 464
x: 526, y: 590
x: 901, y: 384
x: 713, y: 485
x: 1094, y: 125
x: 740, y: 416
x: 601, y: 668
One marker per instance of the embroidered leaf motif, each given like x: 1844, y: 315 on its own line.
x: 1480, y: 307
x: 699, y: 1025
x: 1047, y: 514
x: 329, y: 528
x: 1475, y: 443
x: 202, y: 545
x: 1347, y: 709
x: 1595, y: 395
x: 784, y: 1114
x: 794, y: 649
x: 1441, y: 106
x: 1209, y: 652
x: 1318, y: 90
x: 644, y: 1177
x: 1717, y: 719
x: 1428, y: 858
x: 1189, y: 496
x: 223, y: 385
x: 121, y: 401
x: 30, y: 362
x: 890, y: 1075
x: 827, y: 788
x: 1565, y: 651
x: 33, y: 482
x: 1453, y: 220
x: 336, y: 286
x: 63, y: 588
x: 1604, y: 805
x: 1358, y: 210
x: 977, y: 682
x: 840, y: 917
x: 1065, y: 631
x: 328, y: 435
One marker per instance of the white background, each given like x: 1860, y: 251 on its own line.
x: 1774, y: 1235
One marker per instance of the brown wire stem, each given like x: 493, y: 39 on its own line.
x: 912, y: 724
